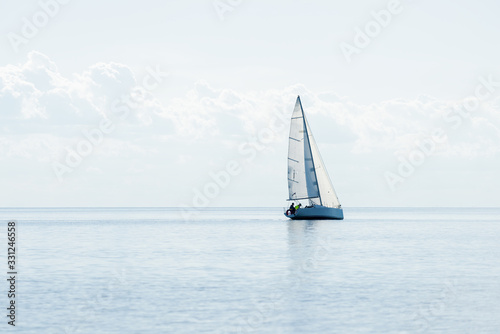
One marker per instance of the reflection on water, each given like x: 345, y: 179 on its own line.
x: 311, y: 248
x: 302, y: 238
x: 312, y: 245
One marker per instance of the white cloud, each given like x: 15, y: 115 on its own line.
x: 43, y: 111
x: 396, y: 125
x: 38, y: 104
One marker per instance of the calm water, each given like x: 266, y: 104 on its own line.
x: 157, y: 270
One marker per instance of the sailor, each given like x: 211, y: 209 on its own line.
x: 297, y: 206
x: 292, y: 209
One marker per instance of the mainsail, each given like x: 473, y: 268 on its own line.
x: 307, y: 175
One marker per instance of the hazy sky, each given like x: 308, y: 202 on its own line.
x: 145, y: 103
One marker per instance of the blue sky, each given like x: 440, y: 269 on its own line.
x: 196, y: 95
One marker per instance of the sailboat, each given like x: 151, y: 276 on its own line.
x: 307, y: 176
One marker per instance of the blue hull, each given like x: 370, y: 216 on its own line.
x: 317, y: 212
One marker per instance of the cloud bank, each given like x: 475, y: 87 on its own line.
x: 43, y: 113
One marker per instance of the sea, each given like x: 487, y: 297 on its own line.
x: 251, y: 270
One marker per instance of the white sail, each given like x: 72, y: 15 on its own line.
x: 302, y: 183
x: 327, y: 193
x: 307, y: 175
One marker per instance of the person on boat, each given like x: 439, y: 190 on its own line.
x: 297, y: 206
x: 292, y: 209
